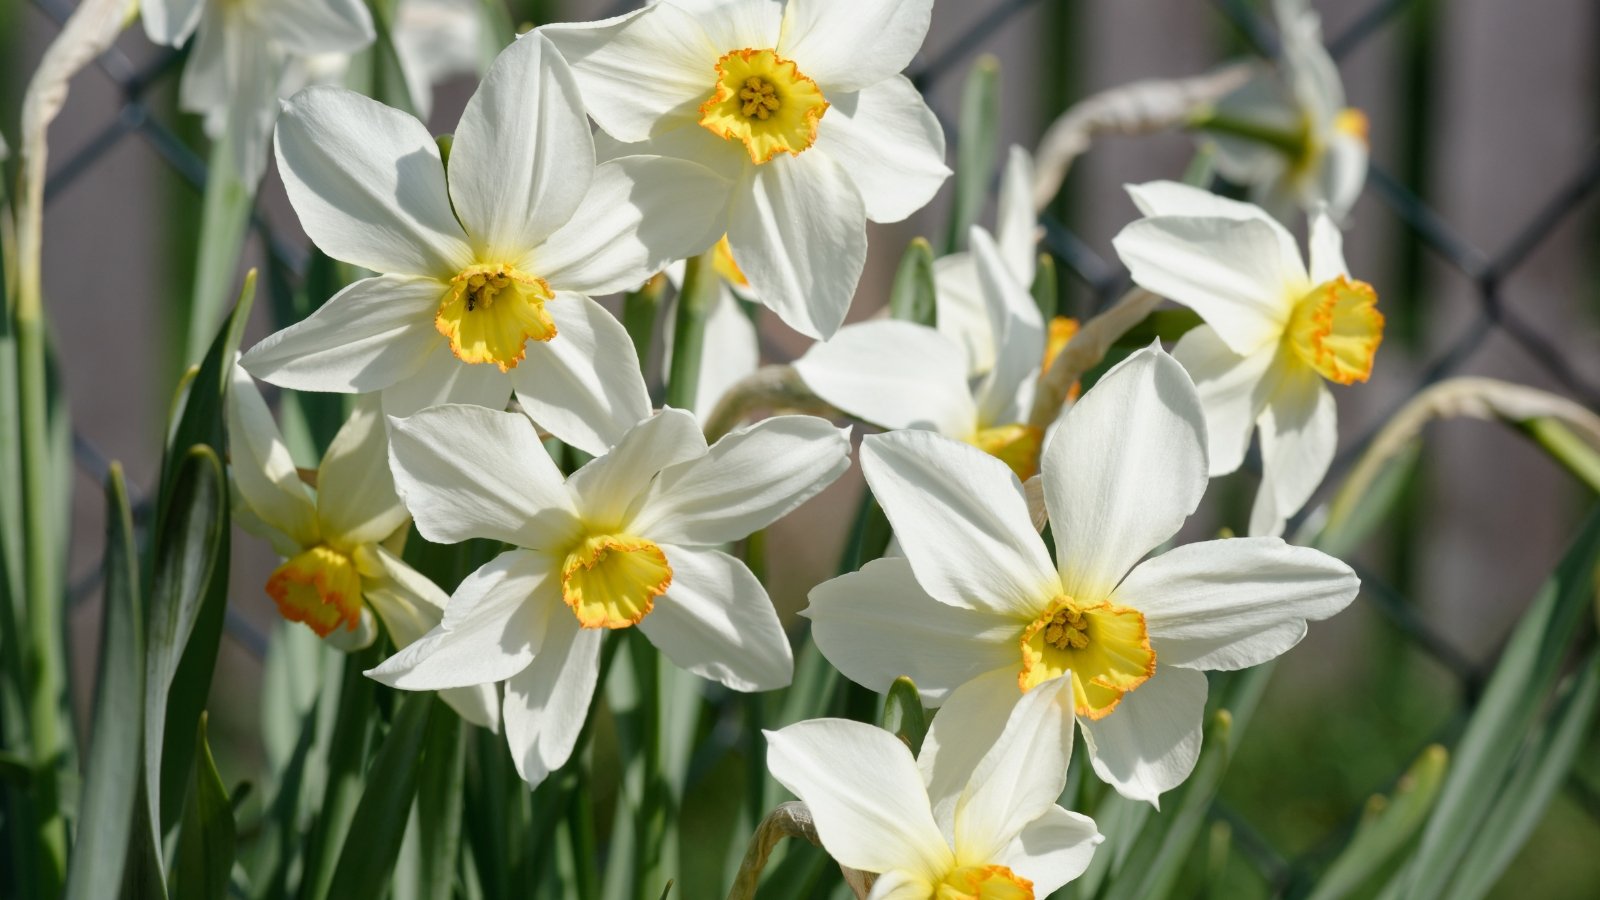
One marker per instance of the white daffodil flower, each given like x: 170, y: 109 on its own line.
x: 339, y: 538
x: 487, y: 272
x: 801, y: 105
x: 734, y: 347
x: 995, y: 834
x: 628, y: 540
x: 1274, y: 332
x: 1301, y: 100
x: 977, y: 614
x: 241, y: 53
x: 963, y: 309
x: 903, y: 375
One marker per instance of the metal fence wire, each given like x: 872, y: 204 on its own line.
x: 1105, y: 280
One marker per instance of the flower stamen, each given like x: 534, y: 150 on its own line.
x: 1105, y: 647
x: 320, y: 587
x: 1336, y: 329
x: 763, y: 100
x: 612, y: 580
x: 491, y: 312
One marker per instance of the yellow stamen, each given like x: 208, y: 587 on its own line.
x: 984, y: 883
x: 491, y: 312
x: 1336, y: 329
x: 612, y: 580
x: 1017, y: 445
x: 1062, y: 330
x: 1353, y: 122
x: 320, y: 587
x: 1104, y: 646
x: 723, y: 262
x: 762, y: 99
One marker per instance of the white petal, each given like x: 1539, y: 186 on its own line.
x: 547, y: 703
x: 643, y: 72
x: 467, y: 472
x: 1299, y: 434
x: 640, y: 213
x: 1326, y: 249
x: 369, y: 336
x: 736, y: 24
x: 878, y: 624
x: 894, y: 375
x: 717, y: 622
x: 169, y: 22
x: 1148, y: 744
x: 262, y: 469
x: 1020, y: 776
x: 963, y: 315
x: 745, y: 482
x: 1173, y: 198
x: 583, y: 385
x: 1233, y: 390
x: 209, y: 72
x: 252, y: 69
x: 356, y: 498
x: 1231, y: 604
x: 309, y: 27
x: 442, y: 378
x: 1232, y: 272
x: 1343, y: 173
x: 610, y: 484
x: 961, y: 518
x: 1018, y: 329
x: 846, y: 45
x: 493, y: 625
x: 865, y: 794
x: 368, y: 185
x: 1016, y: 226
x: 798, y: 230
x: 901, y: 885
x: 890, y: 145
x: 1053, y: 849
x: 522, y: 157
x: 1124, y: 470
x: 967, y: 725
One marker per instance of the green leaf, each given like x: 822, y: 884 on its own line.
x: 1165, y: 325
x: 1047, y: 288
x: 207, y: 838
x: 200, y: 412
x: 1352, y: 517
x: 912, y: 297
x: 142, y: 878
x: 347, y: 759
x: 224, y: 219
x: 1386, y: 827
x: 1524, y: 675
x: 379, y: 824
x: 439, y: 802
x: 903, y: 714
x: 95, y: 869
x: 977, y: 147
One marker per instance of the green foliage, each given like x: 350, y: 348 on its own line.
x: 208, y: 837
x: 912, y: 297
x: 977, y: 148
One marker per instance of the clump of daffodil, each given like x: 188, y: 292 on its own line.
x: 486, y: 273
x: 340, y: 530
x: 978, y: 615
x: 1276, y: 331
x: 800, y: 106
x: 628, y: 541
x: 992, y: 831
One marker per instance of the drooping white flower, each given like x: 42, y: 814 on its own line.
x: 1302, y: 99
x: 486, y: 273
x: 1274, y: 331
x: 628, y: 540
x: 340, y: 539
x: 241, y: 52
x: 994, y: 832
x: 800, y: 105
x: 977, y: 614
x: 902, y: 375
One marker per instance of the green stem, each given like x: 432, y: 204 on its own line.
x: 1568, y: 449
x: 224, y: 218
x: 695, y: 300
x: 650, y: 827
x: 1291, y: 143
x: 639, y: 316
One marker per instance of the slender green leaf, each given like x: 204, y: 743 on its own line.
x: 224, y: 219
x: 347, y: 758
x: 1047, y: 287
x: 1353, y: 517
x: 95, y: 868
x: 438, y: 810
x: 1386, y: 827
x: 199, y: 415
x: 207, y: 838
x: 977, y: 148
x: 912, y: 297
x: 373, y: 841
x: 903, y: 714
x: 142, y: 877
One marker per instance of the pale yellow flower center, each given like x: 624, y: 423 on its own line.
x: 1353, y: 122
x: 612, y: 580
x: 320, y: 587
x: 984, y: 883
x: 1017, y: 445
x: 1336, y: 328
x: 764, y: 100
x: 490, y: 313
x: 1106, y: 648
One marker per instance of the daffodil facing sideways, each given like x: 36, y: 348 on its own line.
x: 1287, y: 133
x: 977, y: 614
x: 629, y: 540
x: 1275, y: 331
x: 241, y: 52
x: 340, y: 535
x: 487, y: 272
x: 799, y: 105
x: 991, y: 832
x: 902, y: 375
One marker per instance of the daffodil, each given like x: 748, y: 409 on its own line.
x: 903, y: 375
x: 629, y: 540
x: 240, y: 54
x: 978, y: 614
x: 486, y: 273
x: 1287, y: 133
x: 994, y: 833
x: 1275, y: 331
x: 800, y: 105
x: 339, y: 534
